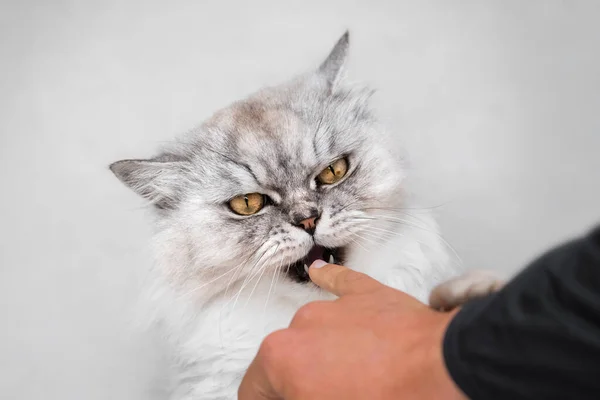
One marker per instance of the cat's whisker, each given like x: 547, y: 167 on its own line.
x: 394, y: 219
x: 358, y: 243
x: 359, y: 226
x: 425, y: 209
x: 377, y: 236
x: 398, y: 218
x: 411, y: 224
x: 260, y: 270
x: 251, y: 272
x: 273, y: 283
x: 408, y: 214
x: 355, y: 201
x: 429, y: 229
x: 263, y: 268
x: 388, y: 231
x: 364, y: 225
x: 371, y: 238
x: 246, y: 282
x: 208, y: 283
x: 241, y: 267
x: 236, y: 297
x: 424, y: 223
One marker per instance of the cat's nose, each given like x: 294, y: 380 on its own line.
x: 308, y: 224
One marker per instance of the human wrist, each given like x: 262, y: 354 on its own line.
x: 443, y: 386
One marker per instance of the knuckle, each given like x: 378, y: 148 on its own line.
x: 273, y: 345
x: 306, y: 313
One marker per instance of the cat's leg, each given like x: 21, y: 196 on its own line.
x: 457, y: 291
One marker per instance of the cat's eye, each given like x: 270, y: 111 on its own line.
x: 334, y: 172
x: 247, y: 204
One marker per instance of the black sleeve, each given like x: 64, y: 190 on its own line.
x: 539, y: 337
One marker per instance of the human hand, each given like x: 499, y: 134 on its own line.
x: 373, y: 342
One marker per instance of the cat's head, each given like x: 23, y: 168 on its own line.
x: 272, y: 182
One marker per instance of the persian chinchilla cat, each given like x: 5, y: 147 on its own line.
x: 245, y: 202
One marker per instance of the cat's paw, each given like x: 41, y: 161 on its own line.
x: 457, y: 291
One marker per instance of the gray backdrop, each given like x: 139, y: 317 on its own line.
x: 497, y: 102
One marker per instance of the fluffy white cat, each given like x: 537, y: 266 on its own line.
x: 244, y: 202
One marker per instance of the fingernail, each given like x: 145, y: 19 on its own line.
x: 318, y: 264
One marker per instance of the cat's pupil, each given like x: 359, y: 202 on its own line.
x: 331, y: 169
x: 246, y: 200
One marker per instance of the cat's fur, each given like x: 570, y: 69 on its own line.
x: 220, y: 282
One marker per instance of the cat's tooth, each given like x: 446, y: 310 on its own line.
x: 306, y: 268
x: 331, y: 259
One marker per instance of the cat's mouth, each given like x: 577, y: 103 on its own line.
x: 298, y: 271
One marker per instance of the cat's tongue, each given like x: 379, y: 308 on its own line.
x: 316, y: 253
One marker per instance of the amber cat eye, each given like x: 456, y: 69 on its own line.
x: 247, y: 204
x: 333, y: 173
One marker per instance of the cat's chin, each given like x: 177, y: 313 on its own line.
x: 298, y: 271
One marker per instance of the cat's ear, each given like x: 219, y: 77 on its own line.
x: 156, y: 180
x: 333, y: 65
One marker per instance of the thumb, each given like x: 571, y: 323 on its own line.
x: 341, y: 280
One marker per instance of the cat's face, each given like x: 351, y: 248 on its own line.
x: 273, y: 182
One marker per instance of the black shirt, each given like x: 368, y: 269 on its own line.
x: 537, y: 338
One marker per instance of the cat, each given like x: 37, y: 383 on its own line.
x: 245, y: 202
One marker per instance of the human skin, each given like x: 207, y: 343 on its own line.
x: 373, y: 342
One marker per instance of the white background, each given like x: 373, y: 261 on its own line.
x: 497, y: 102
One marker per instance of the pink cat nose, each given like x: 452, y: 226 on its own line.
x: 309, y: 223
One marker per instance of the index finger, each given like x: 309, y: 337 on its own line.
x: 341, y: 280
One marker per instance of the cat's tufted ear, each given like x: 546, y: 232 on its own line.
x: 156, y: 180
x: 333, y: 65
